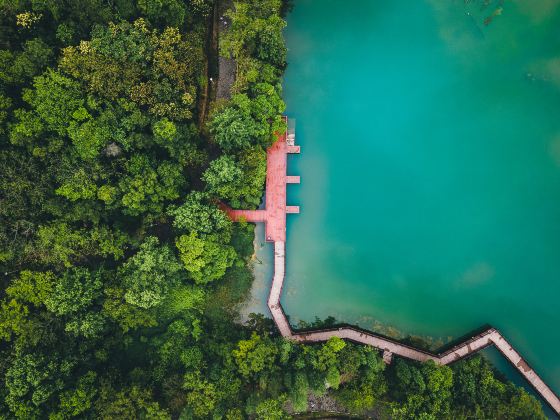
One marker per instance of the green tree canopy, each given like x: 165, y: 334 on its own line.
x: 149, y: 274
x: 205, y: 259
x: 199, y: 214
x: 424, y: 389
x: 248, y: 121
x: 255, y: 354
x: 75, y: 290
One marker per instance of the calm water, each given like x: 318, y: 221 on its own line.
x: 430, y: 165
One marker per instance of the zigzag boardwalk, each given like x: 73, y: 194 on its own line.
x: 274, y: 217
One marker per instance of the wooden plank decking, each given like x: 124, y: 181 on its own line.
x: 274, y: 217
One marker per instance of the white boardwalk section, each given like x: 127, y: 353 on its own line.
x: 390, y: 347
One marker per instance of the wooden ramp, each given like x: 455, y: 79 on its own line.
x: 274, y: 217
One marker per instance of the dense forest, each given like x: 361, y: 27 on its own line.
x: 119, y: 275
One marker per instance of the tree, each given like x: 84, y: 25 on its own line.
x: 25, y: 180
x: 364, y: 368
x: 198, y: 214
x: 253, y: 163
x: 32, y: 380
x: 13, y: 319
x: 61, y: 245
x: 223, y: 177
x: 78, y: 400
x: 270, y: 45
x: 88, y: 135
x: 266, y: 107
x: 55, y: 99
x: 74, y: 291
x: 474, y: 385
x: 300, y: 391
x: 521, y: 406
x: 249, y: 120
x: 238, y: 180
x: 88, y: 325
x: 102, y: 154
x: 18, y: 68
x: 5, y: 105
x: 175, y: 350
x: 165, y: 131
x: 164, y: 12
x: 204, y: 258
x: 130, y: 403
x: 271, y: 409
x: 327, y: 355
x: 476, y: 391
x: 149, y: 274
x: 232, y: 128
x: 202, y: 395
x: 128, y: 316
x: 32, y: 287
x: 155, y: 69
x: 256, y: 31
x: 252, y: 70
x: 255, y: 355
x: 424, y: 389
x: 79, y: 186
x: 146, y: 187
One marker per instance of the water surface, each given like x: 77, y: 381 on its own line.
x: 430, y: 166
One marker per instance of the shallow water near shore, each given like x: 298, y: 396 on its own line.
x: 430, y: 167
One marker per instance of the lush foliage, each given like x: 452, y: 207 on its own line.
x: 120, y: 275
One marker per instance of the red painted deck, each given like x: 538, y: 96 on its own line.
x: 274, y: 214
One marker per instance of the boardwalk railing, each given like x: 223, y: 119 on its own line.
x: 274, y: 217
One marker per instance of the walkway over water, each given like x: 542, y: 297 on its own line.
x: 274, y: 217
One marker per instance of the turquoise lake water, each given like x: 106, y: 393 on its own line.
x: 430, y: 166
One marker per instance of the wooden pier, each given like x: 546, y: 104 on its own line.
x: 274, y: 217
x: 274, y: 214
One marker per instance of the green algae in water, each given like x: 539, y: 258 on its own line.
x: 430, y: 165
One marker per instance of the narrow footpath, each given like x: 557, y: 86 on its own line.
x: 274, y: 218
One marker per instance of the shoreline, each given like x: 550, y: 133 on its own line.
x: 273, y: 216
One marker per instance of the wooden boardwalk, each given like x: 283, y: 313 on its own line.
x: 274, y: 214
x: 274, y: 217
